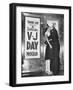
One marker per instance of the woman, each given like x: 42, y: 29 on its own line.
x: 48, y: 49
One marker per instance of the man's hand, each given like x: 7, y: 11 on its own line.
x: 50, y: 46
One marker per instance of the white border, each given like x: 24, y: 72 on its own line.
x: 24, y: 80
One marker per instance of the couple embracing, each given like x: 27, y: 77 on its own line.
x: 52, y: 50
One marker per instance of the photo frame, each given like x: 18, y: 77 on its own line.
x: 40, y: 44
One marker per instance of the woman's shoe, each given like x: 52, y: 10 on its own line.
x: 49, y: 72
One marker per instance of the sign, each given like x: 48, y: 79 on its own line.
x: 32, y: 37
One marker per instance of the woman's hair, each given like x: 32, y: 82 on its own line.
x: 44, y: 30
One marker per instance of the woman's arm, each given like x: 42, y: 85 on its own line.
x: 48, y: 41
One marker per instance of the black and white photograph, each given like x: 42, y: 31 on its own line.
x: 40, y: 52
x: 42, y: 44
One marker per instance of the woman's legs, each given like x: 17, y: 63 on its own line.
x: 48, y: 67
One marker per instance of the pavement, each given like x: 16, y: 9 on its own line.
x: 40, y: 73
